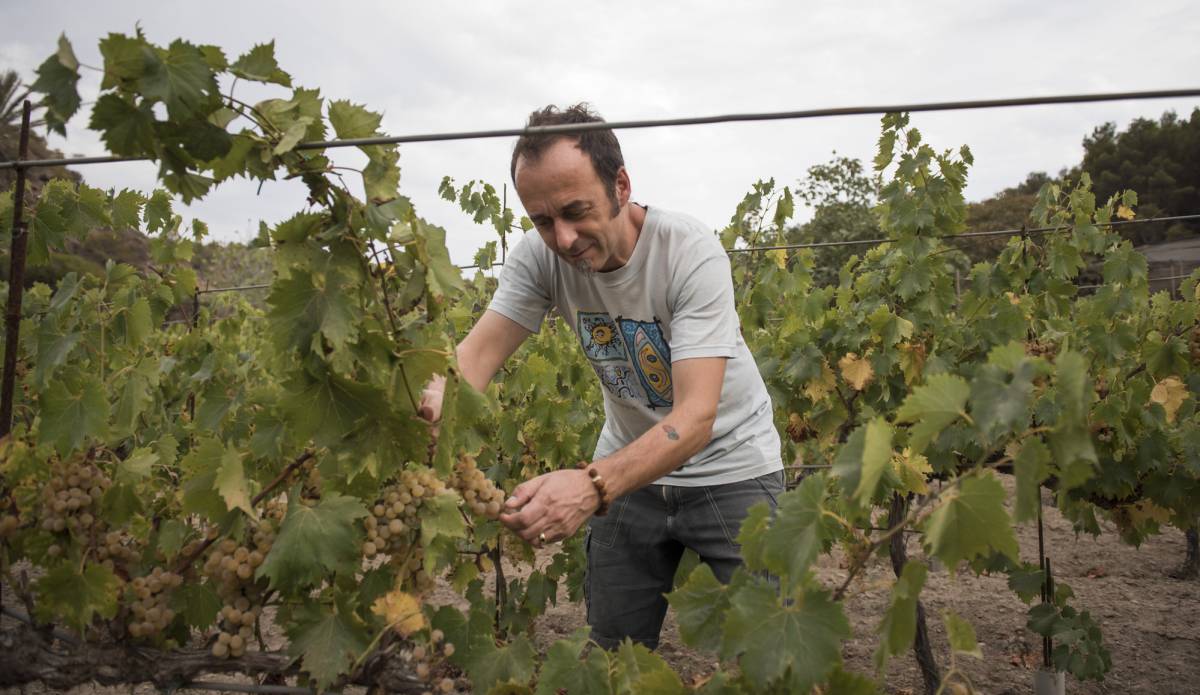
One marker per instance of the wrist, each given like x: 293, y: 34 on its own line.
x: 599, y: 485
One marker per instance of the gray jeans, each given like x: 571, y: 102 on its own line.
x: 634, y: 550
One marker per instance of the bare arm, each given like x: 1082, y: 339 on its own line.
x: 492, y: 340
x: 557, y: 503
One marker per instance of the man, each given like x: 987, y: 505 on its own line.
x: 688, y: 443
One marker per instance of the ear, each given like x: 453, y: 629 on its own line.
x: 624, y: 188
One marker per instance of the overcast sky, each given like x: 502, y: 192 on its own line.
x: 434, y: 66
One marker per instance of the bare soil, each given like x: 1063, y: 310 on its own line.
x: 1151, y: 622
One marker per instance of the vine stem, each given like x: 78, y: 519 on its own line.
x: 913, y: 517
x: 187, y: 560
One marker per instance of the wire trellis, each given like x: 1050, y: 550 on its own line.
x: 574, y: 128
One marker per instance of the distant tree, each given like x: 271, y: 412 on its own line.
x: 1158, y: 159
x: 13, y: 93
x: 842, y: 197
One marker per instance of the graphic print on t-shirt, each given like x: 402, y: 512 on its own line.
x: 638, y: 345
x: 651, y: 358
x: 618, y: 379
x: 599, y: 336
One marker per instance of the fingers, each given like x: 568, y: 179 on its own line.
x: 523, y: 493
x: 431, y: 399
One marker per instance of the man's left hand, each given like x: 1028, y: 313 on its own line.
x: 550, y: 507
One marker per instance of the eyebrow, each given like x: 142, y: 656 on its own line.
x: 573, y: 208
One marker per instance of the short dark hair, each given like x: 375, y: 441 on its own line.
x: 600, y: 146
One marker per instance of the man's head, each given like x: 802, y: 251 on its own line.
x: 575, y: 189
x: 600, y: 146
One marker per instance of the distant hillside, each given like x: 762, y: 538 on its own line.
x: 217, y: 265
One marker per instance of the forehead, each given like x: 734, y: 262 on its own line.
x: 563, y: 171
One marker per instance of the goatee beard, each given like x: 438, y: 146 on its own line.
x: 584, y: 266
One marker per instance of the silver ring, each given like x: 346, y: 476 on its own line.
x: 542, y: 538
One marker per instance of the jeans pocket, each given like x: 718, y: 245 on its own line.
x: 604, y: 530
x: 772, y: 485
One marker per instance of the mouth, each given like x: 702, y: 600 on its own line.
x: 575, y: 257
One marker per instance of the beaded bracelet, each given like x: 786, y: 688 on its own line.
x: 598, y: 483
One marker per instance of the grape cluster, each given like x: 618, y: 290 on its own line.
x: 481, y: 494
x: 394, y: 523
x: 231, y: 567
x: 1039, y: 348
x: 422, y: 660
x: 1194, y: 344
x: 72, y: 497
x: 151, y: 614
x: 117, y: 547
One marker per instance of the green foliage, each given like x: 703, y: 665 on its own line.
x: 881, y: 367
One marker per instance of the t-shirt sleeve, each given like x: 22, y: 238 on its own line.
x: 523, y: 293
x: 704, y: 321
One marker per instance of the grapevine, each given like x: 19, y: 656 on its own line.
x: 174, y: 483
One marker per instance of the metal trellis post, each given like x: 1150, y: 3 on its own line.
x: 16, y: 282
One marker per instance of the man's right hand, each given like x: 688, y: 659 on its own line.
x: 431, y: 399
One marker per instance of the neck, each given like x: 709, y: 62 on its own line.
x: 631, y: 229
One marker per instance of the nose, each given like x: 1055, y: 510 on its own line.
x: 565, y: 235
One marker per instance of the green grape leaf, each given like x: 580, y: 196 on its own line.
x: 798, y: 532
x: 509, y: 663
x: 197, y: 603
x: 124, y: 59
x: 75, y: 598
x: 181, y: 78
x: 200, y: 496
x: 899, y: 625
x: 877, y: 454
x: 700, y: 608
x: 971, y: 521
x: 58, y: 79
x: 1031, y: 466
x: 932, y: 407
x: 303, y: 306
x: 53, y: 348
x: 351, y: 121
x: 440, y: 516
x: 639, y: 670
x: 314, y: 541
x: 259, y: 64
x: 127, y: 130
x: 171, y: 535
x: 72, y: 412
x: 121, y: 503
x: 327, y: 407
x: 752, y: 536
x: 1026, y: 582
x: 812, y: 628
x: 843, y: 683
x: 1071, y: 440
x: 231, y: 483
x: 564, y: 671
x: 961, y: 635
x: 328, y: 640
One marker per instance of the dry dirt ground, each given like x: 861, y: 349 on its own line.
x: 1151, y: 622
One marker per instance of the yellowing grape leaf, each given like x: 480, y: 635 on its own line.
x: 819, y: 388
x: 912, y: 361
x: 857, y: 371
x: 912, y: 470
x: 1125, y: 212
x: 780, y: 258
x: 1145, y: 510
x: 1170, y: 394
x: 401, y: 610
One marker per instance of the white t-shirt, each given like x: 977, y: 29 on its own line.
x: 673, y: 300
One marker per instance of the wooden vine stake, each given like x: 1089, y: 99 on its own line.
x: 16, y: 282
